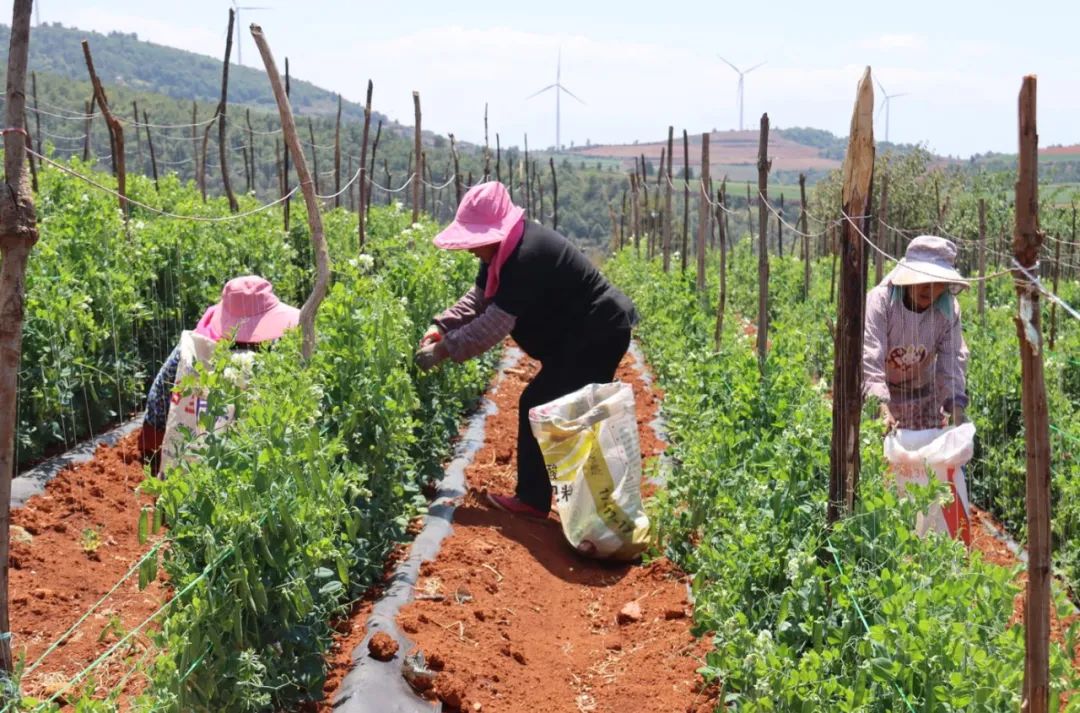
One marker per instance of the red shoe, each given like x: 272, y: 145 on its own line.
x: 510, y: 504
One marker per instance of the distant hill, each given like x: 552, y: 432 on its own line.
x: 122, y: 59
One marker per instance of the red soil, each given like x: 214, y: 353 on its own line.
x: 83, y: 534
x: 530, y: 625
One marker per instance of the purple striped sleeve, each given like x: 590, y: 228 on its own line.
x: 468, y: 308
x: 479, y: 335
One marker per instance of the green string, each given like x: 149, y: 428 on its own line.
x: 56, y: 644
x: 858, y: 609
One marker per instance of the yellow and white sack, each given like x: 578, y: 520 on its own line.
x: 183, y: 431
x: 589, y: 440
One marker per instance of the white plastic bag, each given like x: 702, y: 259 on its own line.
x: 590, y: 444
x: 913, y: 455
x: 182, y: 429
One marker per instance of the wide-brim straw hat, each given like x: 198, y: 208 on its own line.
x: 928, y: 259
x: 249, y: 312
x: 485, y: 217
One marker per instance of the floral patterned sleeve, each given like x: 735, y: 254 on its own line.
x: 160, y: 395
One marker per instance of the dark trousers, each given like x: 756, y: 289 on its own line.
x: 594, y: 363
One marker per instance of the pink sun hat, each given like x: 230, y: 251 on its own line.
x: 485, y: 217
x: 249, y: 311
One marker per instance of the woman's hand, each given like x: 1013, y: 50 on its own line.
x: 428, y: 357
x: 887, y: 418
x: 959, y: 415
x: 432, y: 335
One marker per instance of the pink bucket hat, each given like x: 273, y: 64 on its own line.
x: 486, y: 216
x: 249, y: 311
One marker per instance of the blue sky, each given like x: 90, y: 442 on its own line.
x: 639, y: 68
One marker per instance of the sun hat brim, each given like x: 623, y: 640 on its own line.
x: 264, y: 327
x: 463, y: 236
x: 912, y: 272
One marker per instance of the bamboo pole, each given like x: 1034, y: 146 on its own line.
x: 703, y: 211
x: 18, y: 233
x: 116, y: 129
x: 364, y: 190
x: 221, y: 111
x: 858, y: 175
x: 416, y: 152
x: 982, y: 258
x: 150, y: 144
x: 763, y: 166
x: 1027, y: 242
x: 318, y: 241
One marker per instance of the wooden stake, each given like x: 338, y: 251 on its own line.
x: 540, y: 190
x: 528, y: 182
x: 116, y: 130
x: 749, y: 214
x: 201, y: 164
x: 371, y: 171
x: 37, y: 119
x: 285, y: 173
x: 763, y: 166
x: 780, y: 228
x: 86, y: 130
x: 416, y: 152
x: 18, y: 233
x: 150, y: 144
x: 805, y: 237
x: 622, y: 221
x: 684, y: 257
x: 221, y: 110
x: 337, y: 155
x: 457, y: 171
x: 666, y: 172
x: 487, y: 149
x: 364, y: 191
x: 703, y: 211
x: 982, y: 259
x: 318, y: 241
x: 498, y: 162
x: 883, y: 216
x: 1027, y: 242
x: 721, y: 299
x: 858, y: 175
x: 352, y: 195
x: 31, y: 162
x: 554, y: 195
x: 314, y: 156
x: 637, y: 212
x: 249, y: 154
x: 1053, y: 305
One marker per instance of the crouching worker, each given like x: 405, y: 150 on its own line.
x: 537, y: 287
x: 914, y: 366
x: 251, y: 315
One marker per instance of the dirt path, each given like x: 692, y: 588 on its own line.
x: 70, y: 545
x: 516, y: 621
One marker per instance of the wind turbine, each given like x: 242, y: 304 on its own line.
x: 559, y: 89
x: 742, y: 73
x: 239, y: 33
x: 885, y: 100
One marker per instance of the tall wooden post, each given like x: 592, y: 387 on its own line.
x: 223, y: 148
x: 33, y: 164
x: 721, y: 300
x: 1053, y: 305
x: 416, y: 152
x: 554, y: 195
x: 622, y: 221
x: 637, y: 212
x: 684, y: 254
x: 18, y: 233
x: 703, y: 211
x: 660, y: 211
x: 37, y: 117
x: 805, y: 237
x: 1027, y: 242
x: 982, y: 258
x: 140, y: 165
x: 780, y: 228
x: 371, y: 167
x: 457, y: 170
x: 116, y: 129
x: 498, y: 161
x: 847, y: 350
x: 643, y: 182
x: 150, y: 144
x: 364, y: 190
x: 250, y: 153
x: 314, y: 155
x: 540, y: 190
x: 87, y: 128
x: 201, y: 162
x: 318, y: 241
x: 763, y: 166
x: 337, y: 155
x: 487, y: 148
x: 666, y: 171
x: 883, y: 216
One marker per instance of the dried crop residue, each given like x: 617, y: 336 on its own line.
x: 526, y: 624
x: 70, y: 545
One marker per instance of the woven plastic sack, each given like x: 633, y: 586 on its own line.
x: 183, y: 430
x: 589, y: 440
x: 943, y: 452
